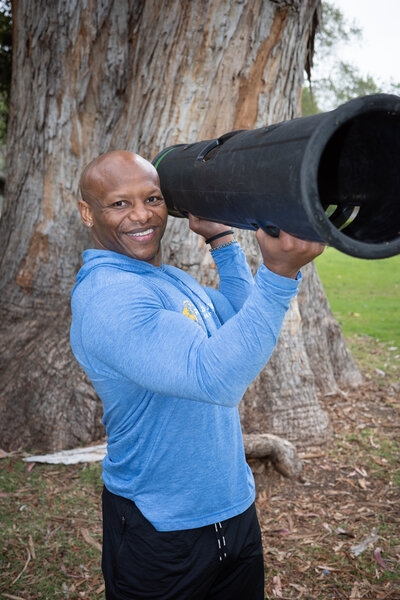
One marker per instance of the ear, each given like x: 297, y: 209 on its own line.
x: 86, y: 213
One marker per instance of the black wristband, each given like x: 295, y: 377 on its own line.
x: 219, y: 235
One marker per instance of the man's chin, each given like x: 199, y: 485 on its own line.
x: 151, y: 257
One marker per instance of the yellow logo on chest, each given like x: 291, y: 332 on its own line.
x: 190, y: 311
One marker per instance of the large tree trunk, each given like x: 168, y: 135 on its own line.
x: 92, y: 77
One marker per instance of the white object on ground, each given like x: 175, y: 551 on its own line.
x: 72, y: 457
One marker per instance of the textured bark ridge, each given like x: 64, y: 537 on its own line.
x: 89, y: 77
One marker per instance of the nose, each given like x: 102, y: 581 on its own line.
x: 140, y: 213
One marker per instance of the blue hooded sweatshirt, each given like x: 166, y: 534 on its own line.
x: 170, y: 361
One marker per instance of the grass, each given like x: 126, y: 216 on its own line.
x: 46, y: 516
x: 364, y: 294
x: 365, y: 299
x: 383, y: 452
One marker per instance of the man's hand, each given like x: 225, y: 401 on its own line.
x: 286, y: 254
x: 208, y: 229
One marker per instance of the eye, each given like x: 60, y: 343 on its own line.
x: 155, y: 200
x: 119, y: 203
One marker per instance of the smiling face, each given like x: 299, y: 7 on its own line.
x: 123, y: 204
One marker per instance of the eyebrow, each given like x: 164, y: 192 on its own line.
x: 155, y: 191
x: 122, y: 195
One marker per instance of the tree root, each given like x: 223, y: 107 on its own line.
x: 279, y: 451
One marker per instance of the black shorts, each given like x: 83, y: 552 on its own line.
x: 222, y: 561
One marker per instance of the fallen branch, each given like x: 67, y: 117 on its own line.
x: 71, y: 457
x: 279, y: 451
x: 28, y: 560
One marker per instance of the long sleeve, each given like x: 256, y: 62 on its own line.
x: 236, y: 280
x: 128, y: 332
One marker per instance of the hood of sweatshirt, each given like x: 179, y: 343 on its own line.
x: 94, y: 258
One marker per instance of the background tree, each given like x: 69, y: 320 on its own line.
x: 5, y: 81
x: 334, y: 81
x: 5, y: 65
x: 88, y: 78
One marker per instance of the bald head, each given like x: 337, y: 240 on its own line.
x: 105, y: 172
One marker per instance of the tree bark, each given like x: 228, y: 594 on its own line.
x: 97, y: 76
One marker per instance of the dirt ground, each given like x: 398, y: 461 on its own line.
x: 349, y: 496
x: 333, y: 535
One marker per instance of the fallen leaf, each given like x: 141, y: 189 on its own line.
x: 3, y: 454
x: 378, y: 558
x: 371, y: 538
x: 305, y: 456
x: 277, y: 591
x: 280, y: 556
x: 341, y: 531
x: 90, y: 540
x: 362, y: 472
x: 354, y: 485
x: 382, y: 462
x: 31, y: 547
x: 297, y: 587
x: 305, y: 567
x: 339, y: 546
x: 355, y: 592
x: 282, y: 531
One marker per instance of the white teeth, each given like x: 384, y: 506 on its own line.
x: 142, y: 233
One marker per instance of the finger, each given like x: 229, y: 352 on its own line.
x: 193, y: 220
x: 293, y: 243
x: 320, y: 248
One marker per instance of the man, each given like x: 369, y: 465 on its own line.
x: 170, y: 361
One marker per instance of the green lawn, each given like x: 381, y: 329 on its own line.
x: 365, y: 298
x: 364, y: 294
